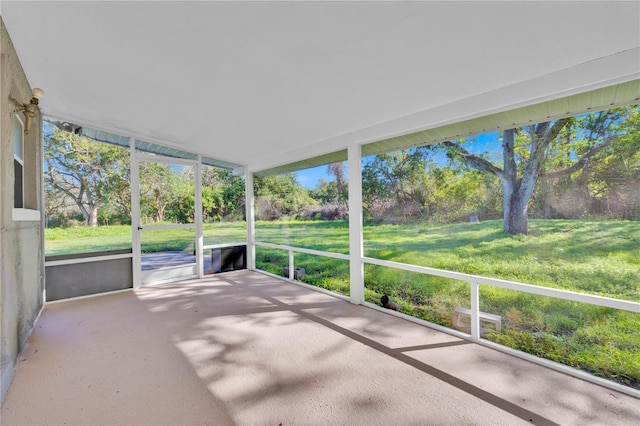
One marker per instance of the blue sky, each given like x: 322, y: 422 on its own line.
x: 309, y: 178
x: 488, y: 142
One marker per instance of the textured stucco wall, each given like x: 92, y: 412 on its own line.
x: 21, y: 242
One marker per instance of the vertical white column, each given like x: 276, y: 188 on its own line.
x: 250, y: 218
x: 475, y: 311
x: 356, y: 249
x: 134, y: 187
x: 40, y: 206
x: 198, y: 217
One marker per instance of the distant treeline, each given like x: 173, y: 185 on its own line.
x: 574, y: 168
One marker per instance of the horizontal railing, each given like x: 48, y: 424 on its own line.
x: 472, y: 279
x: 304, y: 250
x: 512, y: 285
x: 293, y: 250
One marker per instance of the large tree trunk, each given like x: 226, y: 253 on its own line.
x: 516, y: 220
x: 515, y: 199
x: 159, y: 215
x: 83, y: 209
x: 518, y: 190
x: 93, y: 215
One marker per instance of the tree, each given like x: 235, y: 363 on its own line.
x: 396, y: 180
x: 341, y: 186
x: 524, y: 153
x: 223, y: 195
x: 166, y: 192
x: 605, y: 184
x: 456, y: 193
x: 279, y: 195
x: 84, y: 170
x: 325, y: 192
x: 518, y: 180
x: 55, y: 203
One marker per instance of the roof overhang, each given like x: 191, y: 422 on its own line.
x: 264, y: 84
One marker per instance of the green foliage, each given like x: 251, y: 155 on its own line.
x: 166, y: 193
x: 579, y: 167
x: 424, y: 184
x: 459, y: 194
x: 91, y: 178
x: 340, y: 187
x: 396, y: 184
x: 608, y: 185
x: 279, y: 196
x: 223, y: 195
x: 615, y: 360
x: 80, y: 172
x: 331, y: 198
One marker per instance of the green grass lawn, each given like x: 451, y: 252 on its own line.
x: 597, y: 257
x: 83, y: 239
x: 588, y: 256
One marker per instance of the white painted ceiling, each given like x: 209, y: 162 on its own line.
x: 267, y: 83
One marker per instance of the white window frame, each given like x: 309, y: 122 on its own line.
x: 21, y: 213
x: 19, y: 158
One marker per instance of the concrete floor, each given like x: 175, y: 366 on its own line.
x: 245, y: 348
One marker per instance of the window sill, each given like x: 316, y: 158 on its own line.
x: 25, y: 215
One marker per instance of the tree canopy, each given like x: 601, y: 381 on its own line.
x: 552, y: 149
x: 87, y: 173
x: 574, y: 167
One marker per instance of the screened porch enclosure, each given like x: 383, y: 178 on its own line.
x: 162, y: 251
x: 154, y: 196
x: 470, y: 255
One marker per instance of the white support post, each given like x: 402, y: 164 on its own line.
x: 356, y: 247
x: 198, y: 218
x: 136, y: 260
x: 475, y: 310
x: 41, y: 201
x: 292, y: 266
x: 250, y: 219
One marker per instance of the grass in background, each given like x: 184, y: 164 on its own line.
x: 594, y: 257
x: 224, y: 233
x: 324, y: 235
x: 324, y: 272
x: 587, y: 256
x: 85, y: 239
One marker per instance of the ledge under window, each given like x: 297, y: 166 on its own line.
x: 25, y: 215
